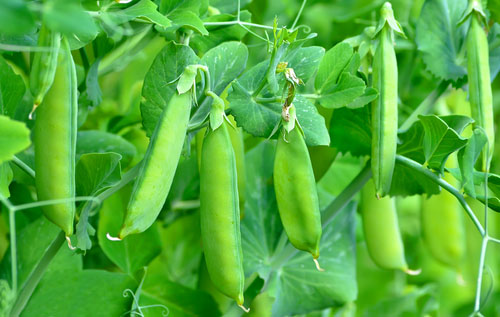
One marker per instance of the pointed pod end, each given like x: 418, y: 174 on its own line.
x: 412, y: 272
x: 246, y: 310
x: 69, y: 243
x: 111, y: 238
x: 317, y: 265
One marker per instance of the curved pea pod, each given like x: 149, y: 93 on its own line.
x: 220, y: 214
x: 55, y: 143
x: 443, y: 228
x: 384, y: 110
x: 43, y: 68
x: 478, y: 70
x: 296, y: 192
x: 381, y: 230
x: 160, y: 162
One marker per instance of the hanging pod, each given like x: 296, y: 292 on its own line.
x: 158, y: 167
x: 295, y: 188
x: 219, y: 211
x: 55, y: 142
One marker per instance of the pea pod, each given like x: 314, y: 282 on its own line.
x: 44, y: 64
x: 220, y: 214
x: 381, y: 230
x: 55, y: 142
x: 236, y: 136
x: 443, y: 227
x: 478, y: 69
x: 385, y: 107
x: 158, y: 168
x: 296, y: 192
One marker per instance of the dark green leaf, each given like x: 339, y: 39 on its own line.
x: 348, y: 89
x: 92, y: 141
x: 350, y: 131
x: 183, y: 18
x: 332, y: 65
x: 467, y: 157
x: 12, y: 89
x: 69, y: 18
x: 96, y: 172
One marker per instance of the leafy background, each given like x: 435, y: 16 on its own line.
x: 126, y: 79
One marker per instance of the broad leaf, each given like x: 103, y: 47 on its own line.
x: 144, y: 9
x: 15, y: 17
x: 96, y: 172
x: 12, y: 89
x: 467, y: 158
x: 440, y: 38
x: 14, y: 137
x: 92, y: 141
x: 350, y: 131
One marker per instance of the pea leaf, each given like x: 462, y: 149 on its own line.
x: 144, y: 9
x: 419, y: 184
x: 440, y: 38
x: 183, y: 18
x: 350, y: 131
x: 12, y: 90
x: 442, y: 137
x: 133, y: 252
x: 159, y: 83
x: 467, y: 157
x: 5, y: 179
x: 332, y: 65
x: 347, y: 90
x: 96, y: 172
x: 228, y: 6
x: 93, y: 141
x: 15, y: 17
x: 494, y: 45
x: 14, y: 137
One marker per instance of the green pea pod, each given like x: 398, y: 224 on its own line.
x: 296, y: 192
x: 261, y: 305
x: 44, y: 64
x: 478, y: 69
x: 55, y: 142
x: 220, y: 214
x: 158, y: 168
x: 443, y: 227
x: 384, y: 109
x: 381, y: 230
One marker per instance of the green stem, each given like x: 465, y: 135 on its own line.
x: 240, y: 23
x: 126, y: 178
x: 298, y: 14
x: 13, y: 248
x: 269, y: 100
x: 426, y: 105
x: 185, y: 204
x: 477, y: 302
x: 36, y: 275
x: 23, y: 166
x: 439, y: 181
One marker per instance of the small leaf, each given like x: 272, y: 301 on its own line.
x: 145, y: 9
x: 183, y: 18
x: 348, y: 89
x: 493, y: 202
x: 96, y: 172
x: 93, y: 141
x: 332, y: 65
x: 14, y: 137
x: 5, y: 179
x: 467, y: 157
x: 12, y: 90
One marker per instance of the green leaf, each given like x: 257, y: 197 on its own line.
x: 442, y: 137
x: 419, y: 184
x: 332, y: 65
x: 304, y: 61
x: 96, y: 172
x: 160, y: 81
x: 5, y: 179
x: 493, y: 202
x: 368, y: 96
x: 467, y: 157
x: 14, y: 137
x: 133, y: 252
x: 93, y: 141
x: 348, y: 89
x: 15, y: 17
x: 494, y: 7
x: 60, y: 15
x: 183, y: 18
x: 144, y: 9
x: 350, y: 131
x: 12, y: 90
x: 228, y: 6
x: 494, y: 46
x: 414, y: 302
x: 176, y: 300
x: 411, y: 142
x: 93, y: 93
x: 440, y: 39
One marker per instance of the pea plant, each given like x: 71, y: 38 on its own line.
x: 249, y: 157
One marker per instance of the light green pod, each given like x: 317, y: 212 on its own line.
x: 443, y: 227
x: 55, y: 142
x: 44, y: 64
x: 220, y: 214
x: 478, y: 69
x: 236, y: 136
x: 381, y: 230
x: 384, y: 113
x: 158, y: 168
x: 296, y: 192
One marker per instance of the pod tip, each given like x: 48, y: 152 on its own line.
x: 317, y: 265
x: 246, y: 310
x: 412, y: 272
x: 111, y: 238
x: 69, y: 243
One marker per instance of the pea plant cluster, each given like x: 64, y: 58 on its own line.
x: 249, y: 157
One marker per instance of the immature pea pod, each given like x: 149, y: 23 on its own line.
x: 296, y: 192
x: 44, y: 64
x: 381, y: 230
x: 55, y: 142
x: 385, y: 107
x: 158, y: 168
x: 478, y: 70
x: 236, y: 136
x: 219, y: 212
x: 443, y: 227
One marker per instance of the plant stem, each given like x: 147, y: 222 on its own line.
x: 477, y: 302
x: 439, y: 181
x: 23, y: 166
x: 425, y: 106
x: 13, y: 248
x: 241, y: 23
x: 36, y: 275
x: 298, y: 14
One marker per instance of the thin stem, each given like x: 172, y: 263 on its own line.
x: 267, y: 100
x: 13, y: 248
x: 426, y: 105
x: 439, y: 181
x: 126, y: 178
x: 23, y: 166
x: 239, y: 23
x: 310, y: 96
x: 495, y: 240
x: 479, y: 282
x: 52, y: 202
x: 37, y: 275
x: 185, y: 204
x: 298, y: 15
